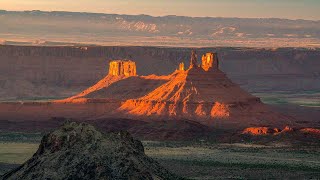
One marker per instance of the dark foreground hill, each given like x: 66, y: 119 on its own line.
x: 78, y: 151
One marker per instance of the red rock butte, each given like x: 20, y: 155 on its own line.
x: 200, y: 93
x: 126, y: 68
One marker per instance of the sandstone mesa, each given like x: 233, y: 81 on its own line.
x: 201, y: 93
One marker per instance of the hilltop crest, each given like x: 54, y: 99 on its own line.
x: 79, y: 151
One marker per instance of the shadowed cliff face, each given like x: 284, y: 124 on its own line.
x: 57, y: 72
x: 78, y: 151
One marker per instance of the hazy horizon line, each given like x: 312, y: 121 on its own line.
x: 230, y: 17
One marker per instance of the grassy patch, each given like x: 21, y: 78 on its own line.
x: 274, y: 100
x: 16, y: 153
x: 200, y: 160
x: 239, y: 157
x: 248, y: 165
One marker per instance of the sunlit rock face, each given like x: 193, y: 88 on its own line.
x: 118, y: 70
x: 202, y: 93
x: 306, y: 134
x: 194, y: 93
x: 210, y: 60
x: 313, y: 131
x: 126, y: 68
x: 181, y: 67
x: 260, y: 131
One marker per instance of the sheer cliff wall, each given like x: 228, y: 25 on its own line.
x: 28, y: 71
x: 122, y: 67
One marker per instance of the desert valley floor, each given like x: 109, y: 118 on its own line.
x: 266, y: 124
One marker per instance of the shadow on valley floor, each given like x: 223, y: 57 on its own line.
x: 205, y: 154
x: 175, y: 130
x: 155, y: 130
x: 210, y: 160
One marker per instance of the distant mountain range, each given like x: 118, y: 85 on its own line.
x: 62, y: 28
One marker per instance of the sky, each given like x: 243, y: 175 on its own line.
x: 289, y: 9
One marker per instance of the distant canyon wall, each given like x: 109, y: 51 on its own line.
x: 63, y: 28
x: 55, y: 72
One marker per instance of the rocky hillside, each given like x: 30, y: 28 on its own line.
x: 78, y: 151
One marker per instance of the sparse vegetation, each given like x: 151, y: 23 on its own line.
x: 305, y: 98
x: 16, y: 153
x: 19, y: 137
x: 205, y: 160
x: 239, y: 161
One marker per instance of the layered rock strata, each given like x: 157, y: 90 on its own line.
x: 201, y: 93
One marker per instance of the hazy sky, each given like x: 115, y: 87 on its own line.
x: 292, y: 9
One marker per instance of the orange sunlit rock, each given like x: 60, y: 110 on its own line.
x: 312, y: 131
x: 181, y: 66
x: 118, y: 70
x: 125, y: 68
x: 220, y: 110
x: 210, y: 61
x: 192, y: 94
x: 201, y: 110
x: 287, y: 129
x: 256, y: 131
x: 201, y: 93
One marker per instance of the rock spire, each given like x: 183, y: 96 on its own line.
x: 193, y: 60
